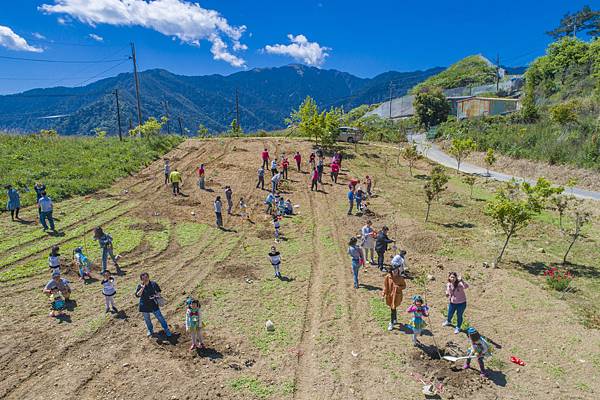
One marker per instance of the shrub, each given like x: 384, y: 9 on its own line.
x: 558, y: 279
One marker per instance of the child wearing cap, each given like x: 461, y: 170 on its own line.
x: 479, y: 349
x: 82, y: 263
x: 418, y: 310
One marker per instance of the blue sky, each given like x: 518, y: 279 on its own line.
x: 363, y: 38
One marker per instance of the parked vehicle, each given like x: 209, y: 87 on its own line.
x: 349, y: 134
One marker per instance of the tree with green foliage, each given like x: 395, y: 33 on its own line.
x: 560, y: 203
x: 461, y: 148
x: 431, y: 107
x: 100, y: 133
x: 331, y: 126
x: 586, y: 20
x: 470, y: 181
x: 411, y: 155
x: 307, y: 119
x: 513, y: 207
x: 235, y: 129
x: 490, y: 160
x: 149, y: 129
x: 470, y: 71
x: 202, y: 131
x: 580, y: 218
x: 434, y: 187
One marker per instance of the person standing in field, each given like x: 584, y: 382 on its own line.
x: 359, y: 197
x: 229, y: 197
x: 381, y: 246
x: 273, y: 167
x: 311, y: 161
x: 150, y: 297
x: 284, y: 166
x: 368, y: 241
x: 350, y: 201
x: 457, y: 300
x: 356, y: 254
x: 320, y: 165
x: 261, y: 178
x: 393, y: 285
x: 298, y: 159
x: 176, y: 181
x: 193, y: 324
x: 167, y: 170
x: 369, y: 185
x: 218, y: 215
x: 269, y: 201
x: 275, y: 258
x: 46, y: 207
x: 54, y: 259
x: 39, y: 188
x: 109, y: 291
x: 14, y: 202
x: 106, y: 244
x: 314, y: 179
x: 275, y: 181
x: 265, y: 158
x: 335, y: 170
x: 201, y: 174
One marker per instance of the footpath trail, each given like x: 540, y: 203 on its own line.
x: 434, y: 153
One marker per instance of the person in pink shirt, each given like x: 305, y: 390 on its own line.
x: 298, y: 159
x: 314, y: 180
x: 285, y: 164
x: 335, y: 170
x: 265, y: 158
x: 457, y: 300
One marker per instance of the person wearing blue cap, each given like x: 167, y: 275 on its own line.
x: 479, y: 349
x: 419, y: 310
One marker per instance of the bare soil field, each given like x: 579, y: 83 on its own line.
x: 330, y: 340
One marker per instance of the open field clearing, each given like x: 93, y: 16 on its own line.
x: 330, y: 340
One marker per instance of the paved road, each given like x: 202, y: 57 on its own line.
x: 435, y: 154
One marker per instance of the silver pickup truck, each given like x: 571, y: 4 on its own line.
x: 349, y: 134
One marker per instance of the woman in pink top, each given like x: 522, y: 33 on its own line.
x: 457, y: 300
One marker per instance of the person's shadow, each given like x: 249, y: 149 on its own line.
x: 70, y: 305
x: 370, y: 288
x: 63, y: 318
x: 162, y: 338
x: 209, y: 353
x: 286, y: 279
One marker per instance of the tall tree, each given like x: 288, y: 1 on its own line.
x: 586, y: 20
x: 431, y: 107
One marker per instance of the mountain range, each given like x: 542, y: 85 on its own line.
x: 266, y: 98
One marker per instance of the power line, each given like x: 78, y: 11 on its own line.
x: 60, y: 61
x: 103, y: 72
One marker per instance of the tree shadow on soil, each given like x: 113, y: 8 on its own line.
x: 579, y: 270
x: 209, y: 353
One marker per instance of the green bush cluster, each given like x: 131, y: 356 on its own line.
x: 470, y: 71
x: 73, y: 165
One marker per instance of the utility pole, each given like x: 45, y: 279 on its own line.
x: 391, y: 86
x: 118, y: 114
x: 180, y: 127
x: 237, y: 108
x: 497, y: 72
x: 137, y: 84
x: 166, y: 105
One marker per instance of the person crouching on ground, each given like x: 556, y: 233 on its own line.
x: 59, y: 283
x: 393, y: 285
x: 479, y: 349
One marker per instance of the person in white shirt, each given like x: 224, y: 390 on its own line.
x: 368, y: 241
x: 46, y: 208
x: 109, y: 291
x: 275, y: 258
x: 275, y: 181
x: 399, y: 262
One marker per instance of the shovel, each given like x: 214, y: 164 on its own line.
x: 454, y: 359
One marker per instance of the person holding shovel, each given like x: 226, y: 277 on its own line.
x: 479, y: 349
x: 381, y: 246
x: 457, y: 300
x: 393, y: 285
x: 106, y: 244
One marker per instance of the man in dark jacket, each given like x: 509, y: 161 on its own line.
x: 381, y: 244
x: 149, y: 294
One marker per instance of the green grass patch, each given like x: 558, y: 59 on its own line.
x: 252, y: 386
x: 159, y: 240
x: 188, y: 233
x: 71, y: 166
x: 380, y: 311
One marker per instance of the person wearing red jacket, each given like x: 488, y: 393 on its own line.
x: 285, y: 165
x: 265, y: 158
x: 314, y: 180
x: 335, y: 170
x: 298, y: 159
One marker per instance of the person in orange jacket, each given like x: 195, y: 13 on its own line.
x: 393, y: 285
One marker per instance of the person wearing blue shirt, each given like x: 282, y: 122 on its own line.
x: 14, y: 202
x: 46, y: 208
x: 351, y: 201
x: 269, y: 202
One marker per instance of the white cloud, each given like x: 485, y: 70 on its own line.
x: 301, y: 49
x: 38, y: 35
x: 95, y: 37
x: 12, y: 41
x: 188, y: 22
